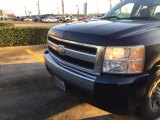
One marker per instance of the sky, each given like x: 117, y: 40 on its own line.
x: 52, y: 6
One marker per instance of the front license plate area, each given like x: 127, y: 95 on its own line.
x: 60, y: 83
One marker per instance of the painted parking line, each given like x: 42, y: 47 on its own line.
x: 40, y: 59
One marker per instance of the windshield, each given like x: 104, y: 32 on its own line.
x: 136, y: 9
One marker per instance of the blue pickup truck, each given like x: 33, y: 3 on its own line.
x: 114, y: 62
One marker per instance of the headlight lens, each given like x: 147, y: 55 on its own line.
x: 125, y: 60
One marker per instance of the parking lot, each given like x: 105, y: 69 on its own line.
x: 27, y: 91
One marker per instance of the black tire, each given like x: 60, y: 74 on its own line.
x: 67, y: 20
x: 146, y: 111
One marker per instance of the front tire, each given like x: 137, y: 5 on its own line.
x: 150, y: 108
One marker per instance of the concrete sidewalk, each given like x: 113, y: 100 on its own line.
x: 27, y: 91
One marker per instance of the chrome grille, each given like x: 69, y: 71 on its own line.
x: 84, y: 57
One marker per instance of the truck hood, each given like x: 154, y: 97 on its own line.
x: 102, y: 32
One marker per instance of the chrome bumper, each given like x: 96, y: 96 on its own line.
x: 107, y: 91
x: 71, y: 76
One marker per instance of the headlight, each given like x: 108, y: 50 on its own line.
x: 124, y: 60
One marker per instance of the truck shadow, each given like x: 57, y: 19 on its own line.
x: 113, y: 117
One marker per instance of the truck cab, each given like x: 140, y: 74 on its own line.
x: 113, y: 62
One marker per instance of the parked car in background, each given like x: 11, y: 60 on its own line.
x: 59, y: 18
x: 39, y: 18
x: 23, y: 17
x: 18, y: 18
x: 50, y: 20
x: 74, y: 19
x: 68, y: 18
x: 92, y: 18
x: 28, y: 19
x: 34, y: 18
x: 82, y: 19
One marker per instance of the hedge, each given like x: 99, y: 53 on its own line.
x: 23, y: 36
x: 6, y: 25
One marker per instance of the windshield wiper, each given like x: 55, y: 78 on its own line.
x: 142, y: 18
x: 110, y: 17
x: 131, y: 18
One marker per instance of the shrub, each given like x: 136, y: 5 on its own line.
x: 6, y: 25
x: 23, y: 36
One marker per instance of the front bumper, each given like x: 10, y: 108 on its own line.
x: 106, y: 91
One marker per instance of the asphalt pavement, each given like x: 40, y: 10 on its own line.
x: 28, y: 92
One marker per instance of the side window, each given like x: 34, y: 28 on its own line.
x: 157, y: 12
x: 143, y: 11
x: 124, y: 11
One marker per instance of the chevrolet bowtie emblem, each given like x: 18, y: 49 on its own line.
x: 61, y: 50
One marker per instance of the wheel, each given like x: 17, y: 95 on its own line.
x: 150, y: 108
x: 67, y: 20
